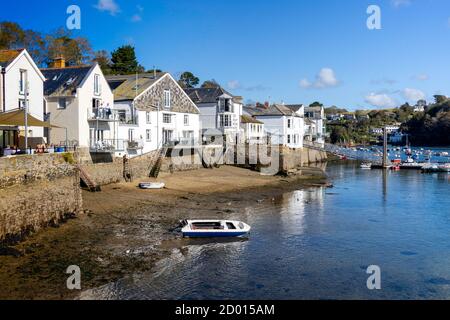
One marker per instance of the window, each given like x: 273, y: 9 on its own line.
x: 167, y: 118
x: 289, y: 123
x: 289, y: 138
x: 148, y: 135
x: 97, y: 87
x: 122, y: 116
x: 167, y: 97
x: 186, y: 120
x: 130, y: 135
x: 225, y: 120
x: 62, y: 103
x: 148, y: 117
x: 21, y: 103
x: 22, y: 80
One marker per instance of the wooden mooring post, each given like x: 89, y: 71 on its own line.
x: 385, y: 149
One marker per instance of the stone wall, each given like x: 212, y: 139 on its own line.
x: 140, y: 166
x: 35, y: 191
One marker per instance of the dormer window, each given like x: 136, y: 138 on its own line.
x: 167, y: 99
x: 226, y: 105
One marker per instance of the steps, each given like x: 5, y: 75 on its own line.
x: 84, y: 176
x: 156, y: 167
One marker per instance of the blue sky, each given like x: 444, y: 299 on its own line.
x: 296, y: 51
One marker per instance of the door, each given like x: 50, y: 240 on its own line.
x: 167, y: 136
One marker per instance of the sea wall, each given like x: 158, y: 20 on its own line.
x: 36, y: 191
x: 115, y: 170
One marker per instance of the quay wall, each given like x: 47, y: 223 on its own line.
x: 35, y: 191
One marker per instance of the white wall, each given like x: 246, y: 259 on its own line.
x: 36, y: 91
x: 277, y: 126
x: 79, y: 110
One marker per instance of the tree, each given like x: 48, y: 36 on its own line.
x: 440, y: 98
x: 12, y: 36
x: 188, y: 80
x: 75, y: 51
x: 103, y: 59
x: 124, y: 61
x: 316, y: 104
x: 210, y: 84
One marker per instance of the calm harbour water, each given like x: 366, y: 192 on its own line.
x: 317, y: 244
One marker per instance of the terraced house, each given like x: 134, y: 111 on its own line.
x: 219, y: 111
x: 79, y: 101
x: 153, y: 112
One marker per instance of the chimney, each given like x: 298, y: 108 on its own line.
x: 266, y: 105
x: 58, y: 63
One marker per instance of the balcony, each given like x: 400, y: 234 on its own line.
x: 134, y: 145
x: 107, y: 146
x: 103, y: 114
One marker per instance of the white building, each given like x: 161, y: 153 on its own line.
x: 20, y: 74
x: 283, y: 126
x: 254, y: 131
x: 153, y: 111
x: 80, y: 101
x: 317, y: 116
x: 219, y: 111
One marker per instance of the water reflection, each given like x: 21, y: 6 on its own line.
x: 317, y: 243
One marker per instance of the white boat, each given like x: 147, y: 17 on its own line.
x: 366, y: 166
x: 214, y: 228
x: 152, y: 185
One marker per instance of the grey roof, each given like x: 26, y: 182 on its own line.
x: 64, y: 81
x: 313, y: 109
x: 273, y: 110
x: 249, y: 119
x: 206, y: 95
x: 295, y: 107
x: 124, y: 86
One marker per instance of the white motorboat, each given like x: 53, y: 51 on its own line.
x: 152, y: 185
x: 366, y: 166
x: 214, y: 228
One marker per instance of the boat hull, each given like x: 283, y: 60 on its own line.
x: 213, y: 234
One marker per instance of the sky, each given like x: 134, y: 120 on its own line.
x: 291, y: 51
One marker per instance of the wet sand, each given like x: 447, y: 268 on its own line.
x: 125, y: 230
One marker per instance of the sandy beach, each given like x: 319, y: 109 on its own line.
x: 123, y: 229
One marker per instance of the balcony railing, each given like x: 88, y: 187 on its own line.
x: 103, y: 114
x: 134, y: 145
x: 107, y: 145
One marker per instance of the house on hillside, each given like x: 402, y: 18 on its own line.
x: 283, y: 126
x: 219, y: 111
x: 80, y: 101
x: 253, y: 130
x: 21, y: 82
x: 153, y: 111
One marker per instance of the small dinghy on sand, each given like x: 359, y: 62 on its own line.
x: 152, y: 185
x: 214, y: 228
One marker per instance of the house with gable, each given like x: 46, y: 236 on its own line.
x: 79, y: 101
x: 220, y: 111
x: 283, y: 126
x: 153, y: 112
x: 21, y: 82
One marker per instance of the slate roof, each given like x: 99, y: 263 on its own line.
x: 206, y: 95
x: 124, y: 86
x: 273, y: 110
x: 64, y: 81
x: 294, y: 107
x: 249, y: 119
x: 8, y: 56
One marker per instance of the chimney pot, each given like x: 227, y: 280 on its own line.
x: 59, y: 63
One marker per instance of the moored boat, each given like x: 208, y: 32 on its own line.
x: 214, y: 228
x: 152, y: 185
x: 366, y: 166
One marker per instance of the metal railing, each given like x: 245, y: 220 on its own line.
x: 103, y: 114
x: 107, y: 145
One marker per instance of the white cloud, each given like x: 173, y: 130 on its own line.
x: 109, y: 6
x: 326, y: 78
x: 413, y: 95
x: 400, y: 3
x: 381, y: 100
